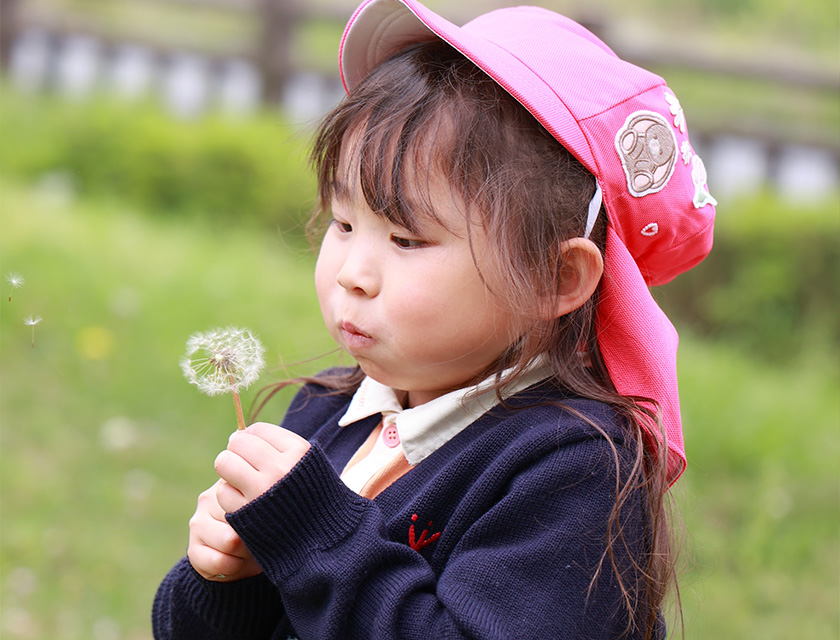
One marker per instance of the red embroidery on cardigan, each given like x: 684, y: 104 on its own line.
x: 423, y: 541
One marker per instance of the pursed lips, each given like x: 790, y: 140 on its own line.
x: 353, y: 336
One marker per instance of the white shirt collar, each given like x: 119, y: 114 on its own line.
x: 425, y: 428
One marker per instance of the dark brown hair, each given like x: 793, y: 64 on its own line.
x: 427, y: 114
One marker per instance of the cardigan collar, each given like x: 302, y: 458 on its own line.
x: 425, y: 428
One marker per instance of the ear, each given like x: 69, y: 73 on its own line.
x: 583, y: 266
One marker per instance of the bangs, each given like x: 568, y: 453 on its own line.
x: 388, y: 148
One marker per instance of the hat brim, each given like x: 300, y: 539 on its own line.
x: 380, y: 28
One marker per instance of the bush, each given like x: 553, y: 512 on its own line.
x: 769, y: 284
x: 252, y: 170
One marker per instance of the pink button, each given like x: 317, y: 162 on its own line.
x: 390, y: 436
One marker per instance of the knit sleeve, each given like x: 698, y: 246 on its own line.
x: 523, y: 569
x: 188, y: 607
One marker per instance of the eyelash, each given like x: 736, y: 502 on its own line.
x: 343, y: 227
x: 401, y: 242
x: 407, y: 243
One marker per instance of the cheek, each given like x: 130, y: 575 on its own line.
x: 320, y: 277
x: 325, y: 275
x: 438, y: 309
x: 325, y: 265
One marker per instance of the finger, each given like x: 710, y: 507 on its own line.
x: 233, y: 571
x: 255, y: 450
x: 236, y: 472
x: 281, y: 439
x: 214, y: 546
x: 210, y: 563
x: 217, y: 535
x: 230, y: 499
x: 208, y: 502
x: 269, y: 463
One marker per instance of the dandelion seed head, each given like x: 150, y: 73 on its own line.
x: 15, y: 279
x: 31, y: 321
x: 223, y: 360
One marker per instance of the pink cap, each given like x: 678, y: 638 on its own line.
x: 626, y: 127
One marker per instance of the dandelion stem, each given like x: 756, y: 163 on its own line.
x: 240, y: 419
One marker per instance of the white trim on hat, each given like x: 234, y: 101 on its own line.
x: 594, y: 208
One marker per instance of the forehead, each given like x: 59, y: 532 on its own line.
x: 405, y: 181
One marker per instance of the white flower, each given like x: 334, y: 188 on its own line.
x: 223, y: 360
x: 686, y: 152
x: 676, y: 111
x: 702, y: 197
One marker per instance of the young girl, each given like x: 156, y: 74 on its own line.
x: 499, y: 196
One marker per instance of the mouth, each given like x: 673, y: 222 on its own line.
x: 353, y: 336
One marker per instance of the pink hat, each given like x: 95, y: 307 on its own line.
x: 626, y: 127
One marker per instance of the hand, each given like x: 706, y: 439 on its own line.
x: 216, y: 552
x: 255, y: 460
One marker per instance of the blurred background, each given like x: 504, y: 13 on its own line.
x: 154, y: 183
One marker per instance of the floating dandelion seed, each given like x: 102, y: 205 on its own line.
x: 31, y: 321
x: 16, y: 281
x: 223, y: 361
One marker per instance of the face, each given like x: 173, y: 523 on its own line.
x: 411, y: 308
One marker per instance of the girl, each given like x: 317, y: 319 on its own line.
x: 499, y: 197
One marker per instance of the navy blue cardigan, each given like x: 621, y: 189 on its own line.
x: 496, y: 535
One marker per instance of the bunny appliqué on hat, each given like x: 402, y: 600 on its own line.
x: 649, y: 153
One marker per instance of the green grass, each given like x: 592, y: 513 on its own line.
x: 760, y: 497
x: 105, y: 447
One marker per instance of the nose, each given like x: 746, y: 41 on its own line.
x: 359, y: 272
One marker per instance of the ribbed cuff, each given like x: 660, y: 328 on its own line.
x: 309, y: 509
x: 243, y: 607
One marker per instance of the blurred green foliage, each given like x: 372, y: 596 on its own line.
x: 769, y: 284
x: 804, y: 25
x: 241, y: 170
x: 758, y: 106
x: 758, y: 503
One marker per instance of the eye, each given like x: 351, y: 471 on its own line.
x: 408, y: 243
x: 343, y: 227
